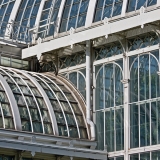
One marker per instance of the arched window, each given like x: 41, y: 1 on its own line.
x: 109, y: 107
x: 144, y: 102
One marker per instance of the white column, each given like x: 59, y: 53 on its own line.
x: 59, y: 17
x: 12, y: 17
x: 158, y: 2
x: 90, y: 13
x: 126, y: 106
x: 124, y: 8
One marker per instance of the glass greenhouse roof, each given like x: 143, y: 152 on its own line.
x: 40, y: 103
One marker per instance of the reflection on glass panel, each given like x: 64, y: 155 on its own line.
x: 73, y: 132
x: 75, y: 108
x: 45, y: 115
x: 80, y: 121
x: 16, y: 63
x: 55, y: 105
x: 26, y: 125
x: 66, y: 106
x: 48, y: 128
x: 14, y: 88
x: 69, y: 96
x: 83, y: 133
x: 35, y: 114
x: 19, y: 99
x: 30, y: 101
x: 62, y: 130
x: 8, y: 123
x: 41, y: 103
x: 60, y: 118
x: 6, y: 110
x: 100, y: 130
x: 73, y: 78
x: 23, y: 113
x: 37, y: 127
x: 5, y: 61
x: 134, y: 126
x: 70, y: 119
x: 3, y: 97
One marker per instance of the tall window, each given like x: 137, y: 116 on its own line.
x: 107, y: 8
x: 137, y: 4
x: 74, y: 14
x: 109, y: 106
x: 145, y: 104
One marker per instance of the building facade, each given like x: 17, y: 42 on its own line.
x: 96, y: 66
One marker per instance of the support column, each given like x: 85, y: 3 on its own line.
x: 125, y: 82
x: 124, y: 8
x: 88, y: 90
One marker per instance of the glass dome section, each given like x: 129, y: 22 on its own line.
x: 45, y: 104
x: 26, y: 18
x: 5, y: 11
x: 74, y: 14
x: 49, y: 19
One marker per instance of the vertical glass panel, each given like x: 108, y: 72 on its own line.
x: 48, y: 128
x: 144, y: 125
x: 5, y: 61
x: 35, y: 114
x: 109, y: 86
x: 16, y: 63
x: 100, y: 130
x: 117, y: 9
x: 107, y: 12
x: 109, y: 130
x: 144, y: 77
x: 141, y: 3
x: 151, y: 2
x: 119, y: 124
x: 73, y: 132
x: 99, y: 90
x: 83, y: 133
x: 154, y: 77
x: 134, y: 80
x: 118, y: 86
x: 134, y: 126
x: 6, y: 110
x: 82, y: 85
x: 23, y: 113
x: 98, y: 15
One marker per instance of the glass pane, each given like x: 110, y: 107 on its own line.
x: 134, y: 157
x: 3, y: 97
x: 117, y: 9
x: 100, y: 130
x: 23, y: 113
x: 131, y: 5
x: 8, y: 123
x: 26, y: 125
x: 109, y: 130
x: 145, y: 156
x: 37, y: 127
x: 83, y: 133
x: 100, y: 90
x: 62, y: 130
x: 144, y: 125
x: 48, y: 128
x: 1, y: 122
x: 73, y: 132
x: 155, y: 155
x: 134, y: 126
x: 6, y: 110
x: 35, y: 114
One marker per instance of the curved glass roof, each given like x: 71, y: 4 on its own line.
x: 39, y: 103
x: 56, y: 16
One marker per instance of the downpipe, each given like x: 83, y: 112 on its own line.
x: 88, y: 92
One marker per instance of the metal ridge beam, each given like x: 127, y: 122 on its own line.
x: 99, y: 31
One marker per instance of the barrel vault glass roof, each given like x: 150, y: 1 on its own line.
x: 39, y: 103
x: 50, y: 17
